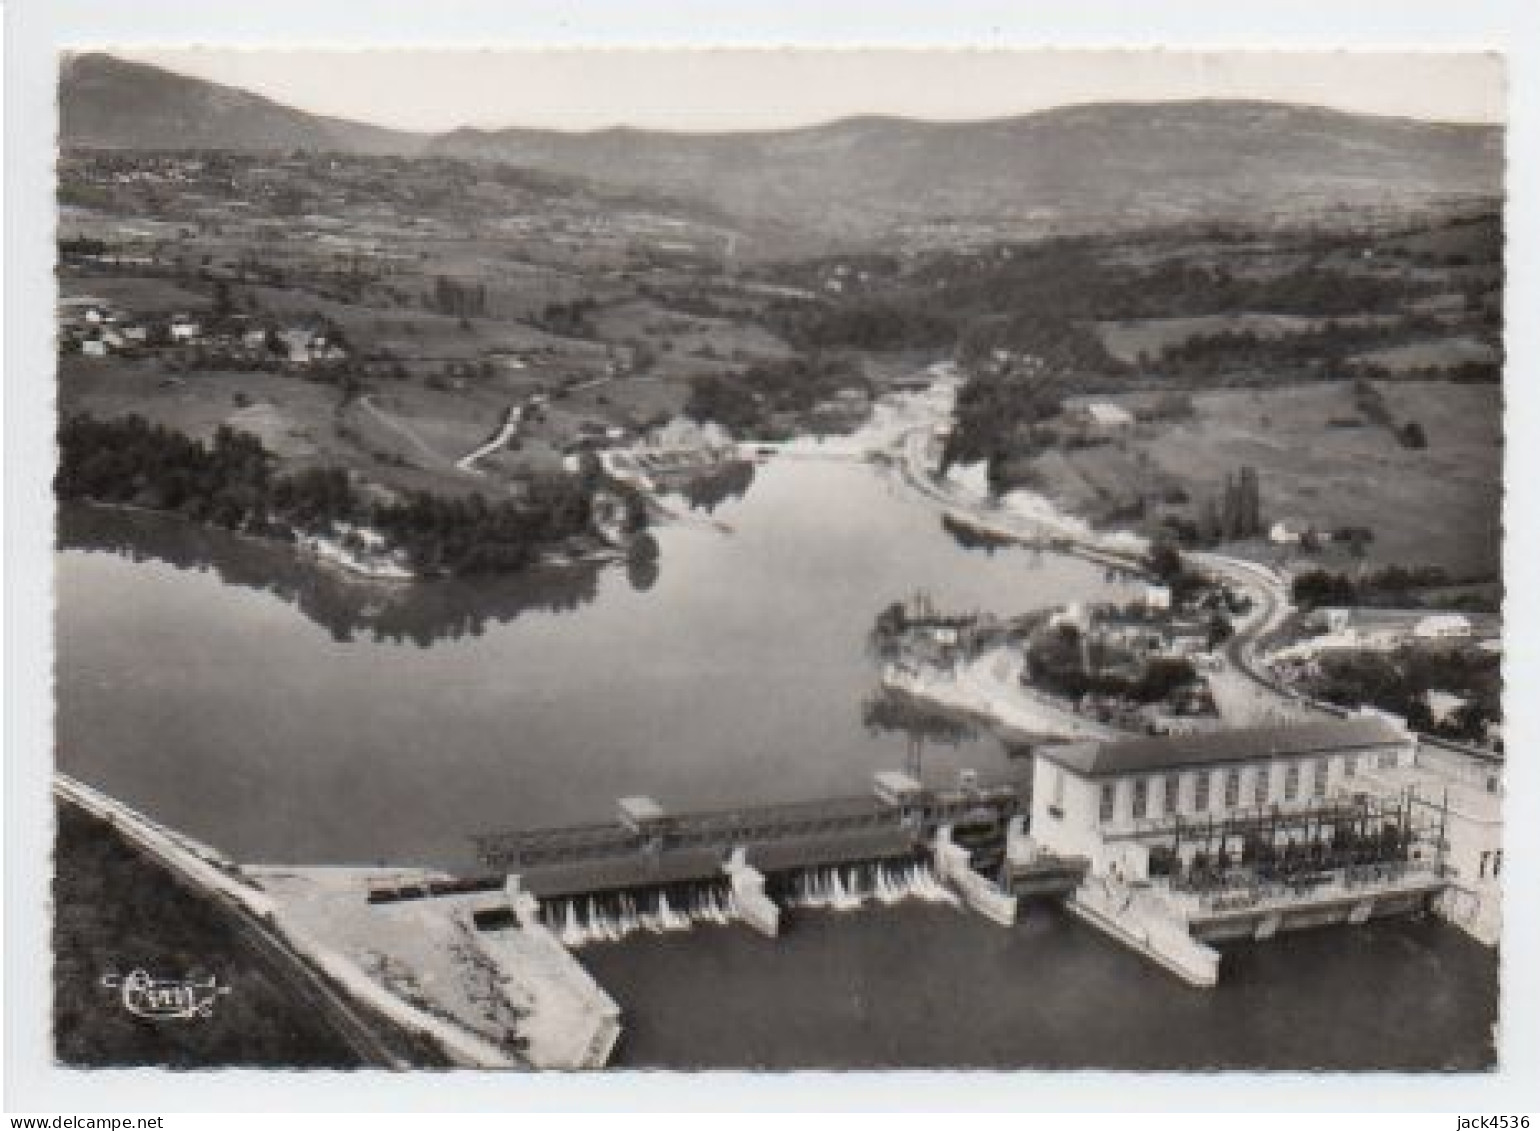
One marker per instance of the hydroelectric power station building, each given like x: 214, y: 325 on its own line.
x: 1244, y: 833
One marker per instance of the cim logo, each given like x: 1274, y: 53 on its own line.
x: 166, y: 999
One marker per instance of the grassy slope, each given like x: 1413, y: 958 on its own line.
x: 1440, y: 505
x: 114, y: 910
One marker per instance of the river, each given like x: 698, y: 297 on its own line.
x: 285, y: 719
x: 287, y: 716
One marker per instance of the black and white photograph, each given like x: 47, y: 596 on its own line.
x: 776, y: 560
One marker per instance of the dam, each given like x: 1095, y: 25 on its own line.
x: 660, y: 870
x: 1164, y: 844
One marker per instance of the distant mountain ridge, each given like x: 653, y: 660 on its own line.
x: 1113, y: 162
x: 1177, y: 160
x: 111, y: 103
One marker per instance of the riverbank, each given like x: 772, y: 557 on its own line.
x: 405, y: 984
x: 513, y: 987
x: 349, y: 520
x: 989, y: 687
x: 336, y: 982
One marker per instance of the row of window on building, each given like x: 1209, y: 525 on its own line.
x: 1230, y: 783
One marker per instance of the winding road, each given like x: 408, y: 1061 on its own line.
x: 405, y: 431
x: 1253, y: 693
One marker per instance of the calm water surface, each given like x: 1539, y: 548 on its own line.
x: 919, y: 986
x: 289, y: 719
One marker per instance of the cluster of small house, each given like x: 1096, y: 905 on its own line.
x: 1154, y: 623
x: 95, y: 327
x: 1125, y: 641
x: 845, y: 411
x: 1128, y: 639
x: 836, y: 415
x: 1097, y: 422
x: 1383, y: 630
x: 679, y: 446
x: 1389, y: 630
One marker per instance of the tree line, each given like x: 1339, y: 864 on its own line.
x: 231, y: 483
x: 744, y: 402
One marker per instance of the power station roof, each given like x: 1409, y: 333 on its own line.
x: 1147, y: 755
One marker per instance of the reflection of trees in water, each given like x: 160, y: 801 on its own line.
x: 971, y: 537
x: 642, y: 573
x: 713, y: 488
x: 422, y: 613
x: 893, y: 712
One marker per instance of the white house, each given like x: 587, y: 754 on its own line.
x: 303, y: 346
x: 1443, y: 705
x: 1442, y: 626
x: 1288, y: 531
x: 1099, y: 420
x: 1075, y: 613
x: 1390, y: 628
x: 683, y: 434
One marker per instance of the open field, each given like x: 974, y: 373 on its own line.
x: 197, y: 403
x: 1126, y: 340
x: 133, y: 292
x: 687, y: 334
x: 1439, y: 353
x: 460, y: 290
x: 639, y: 399
x: 1440, y: 505
x: 409, y: 443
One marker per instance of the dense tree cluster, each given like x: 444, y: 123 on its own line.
x: 889, y: 324
x: 745, y: 402
x: 1166, y: 563
x: 469, y: 535
x: 569, y: 319
x: 998, y: 416
x: 1175, y: 285
x: 459, y: 299
x: 1330, y: 350
x: 230, y: 483
x: 1394, y: 587
x: 1400, y: 682
x: 1237, y: 514
x: 1060, y: 661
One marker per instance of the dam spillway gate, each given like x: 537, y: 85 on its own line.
x: 663, y: 870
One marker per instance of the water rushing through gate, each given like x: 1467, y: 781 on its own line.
x: 611, y: 916
x: 848, y: 886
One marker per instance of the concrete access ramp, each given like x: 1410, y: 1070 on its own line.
x: 1120, y: 913
x: 753, y: 906
x: 954, y: 865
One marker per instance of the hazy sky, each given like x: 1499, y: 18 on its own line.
x: 756, y: 89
